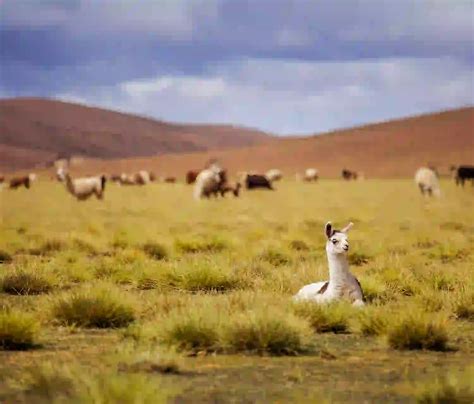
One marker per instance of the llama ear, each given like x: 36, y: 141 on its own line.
x: 328, y: 229
x: 347, y: 228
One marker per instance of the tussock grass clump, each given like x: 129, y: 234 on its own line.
x: 200, y: 246
x: 299, y: 245
x: 18, y: 331
x: 447, y: 254
x: 202, y: 278
x: 5, y: 257
x: 463, y: 306
x: 148, y: 283
x: 50, y: 382
x: 373, y: 321
x: 456, y: 388
x: 274, y: 257
x: 192, y: 331
x: 85, y: 247
x: 25, y: 283
x: 374, y: 290
x: 433, y: 301
x: 48, y: 247
x: 418, y: 332
x: 96, y: 308
x: 358, y: 259
x: 83, y: 385
x: 155, y: 250
x: 266, y: 333
x: 440, y: 281
x: 456, y: 226
x: 325, y: 318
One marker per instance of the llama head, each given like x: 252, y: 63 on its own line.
x: 337, y: 240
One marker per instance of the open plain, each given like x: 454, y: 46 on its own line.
x: 150, y: 296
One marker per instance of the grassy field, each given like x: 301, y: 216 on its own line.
x: 149, y: 296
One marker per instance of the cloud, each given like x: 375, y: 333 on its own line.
x: 287, y: 66
x: 175, y: 19
x: 290, y: 97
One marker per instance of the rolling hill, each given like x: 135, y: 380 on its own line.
x: 385, y: 150
x: 34, y: 131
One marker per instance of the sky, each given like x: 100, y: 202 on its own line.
x: 286, y: 67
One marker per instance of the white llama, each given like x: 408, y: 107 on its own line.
x: 342, y: 284
x: 427, y: 181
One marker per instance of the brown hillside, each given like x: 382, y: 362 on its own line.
x: 389, y: 149
x: 43, y: 128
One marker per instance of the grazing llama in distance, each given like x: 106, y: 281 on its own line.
x: 427, y: 181
x: 311, y: 174
x: 209, y: 182
x: 342, y: 284
x: 83, y: 188
x: 26, y: 181
x: 274, y: 175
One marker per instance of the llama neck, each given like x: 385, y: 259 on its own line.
x: 338, y: 269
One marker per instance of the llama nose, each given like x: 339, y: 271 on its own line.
x: 346, y: 247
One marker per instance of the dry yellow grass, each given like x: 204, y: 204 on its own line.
x: 217, y: 277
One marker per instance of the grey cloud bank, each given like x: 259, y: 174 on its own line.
x: 283, y: 66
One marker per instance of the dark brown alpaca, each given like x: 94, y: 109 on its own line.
x: 18, y: 182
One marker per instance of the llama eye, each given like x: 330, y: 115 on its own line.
x: 334, y: 241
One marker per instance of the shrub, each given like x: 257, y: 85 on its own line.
x: 5, y: 257
x: 274, y: 257
x: 325, y: 318
x: 50, y: 382
x: 147, y: 283
x: 85, y: 247
x: 83, y: 385
x: 191, y: 331
x: 18, y: 331
x: 418, y: 332
x: 25, y: 283
x: 155, y: 250
x: 463, y: 306
x: 374, y: 290
x: 48, y: 247
x: 99, y: 308
x: 202, y: 278
x: 266, y: 333
x: 457, y: 388
x: 299, y: 245
x: 200, y: 246
x: 358, y: 259
x: 373, y: 322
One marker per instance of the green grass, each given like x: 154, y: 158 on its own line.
x: 96, y: 308
x: 270, y: 333
x: 213, y: 245
x: 52, y: 383
x: 5, y: 257
x: 22, y: 282
x: 18, y: 331
x: 192, y: 331
x: 456, y: 388
x: 325, y: 318
x: 418, y: 332
x: 155, y: 250
x: 99, y: 284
